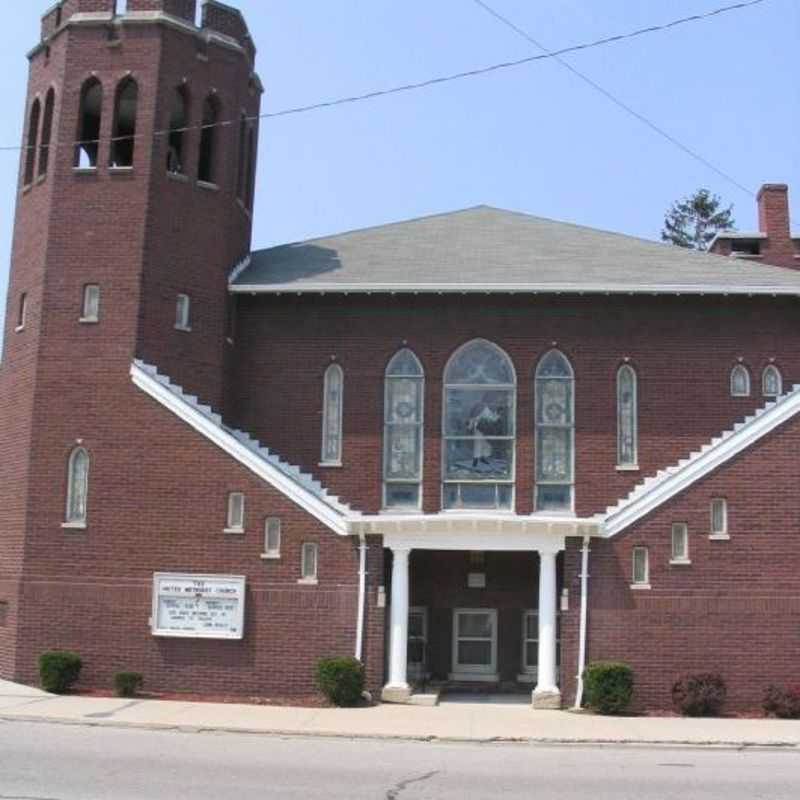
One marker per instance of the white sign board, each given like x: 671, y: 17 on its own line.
x: 198, y: 606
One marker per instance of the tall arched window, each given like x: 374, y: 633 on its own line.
x: 480, y: 397
x: 740, y: 381
x: 47, y: 132
x: 89, y: 119
x: 207, y: 165
x: 33, y: 138
x: 241, y: 175
x: 627, y: 429
x: 333, y: 389
x: 77, y: 486
x: 771, y: 381
x: 178, y: 123
x: 123, y: 138
x: 251, y: 167
x: 555, y: 433
x: 402, y: 437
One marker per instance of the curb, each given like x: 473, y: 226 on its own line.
x: 722, y: 744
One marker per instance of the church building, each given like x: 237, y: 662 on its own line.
x: 477, y: 449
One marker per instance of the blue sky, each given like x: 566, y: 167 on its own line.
x: 533, y: 138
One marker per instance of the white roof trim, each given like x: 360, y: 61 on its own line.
x: 668, y: 483
x: 290, y: 481
x: 239, y: 268
x: 500, y: 288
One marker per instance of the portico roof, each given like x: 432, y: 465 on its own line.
x: 488, y: 250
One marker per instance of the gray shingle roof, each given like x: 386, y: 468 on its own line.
x: 486, y: 249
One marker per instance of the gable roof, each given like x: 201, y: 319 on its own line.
x: 489, y: 250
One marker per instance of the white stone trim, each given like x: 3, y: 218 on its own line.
x: 203, y: 420
x: 668, y: 483
x: 239, y: 268
x: 485, y: 540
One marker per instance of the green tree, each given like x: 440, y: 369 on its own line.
x: 695, y: 221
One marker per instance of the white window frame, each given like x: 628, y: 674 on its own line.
x: 273, y: 523
x: 530, y: 673
x: 416, y: 669
x: 511, y: 483
x: 183, y: 310
x: 740, y: 369
x: 387, y: 426
x: 231, y: 523
x: 329, y: 459
x: 71, y: 520
x: 539, y: 426
x: 474, y: 672
x: 627, y: 369
x: 771, y: 368
x: 86, y: 316
x: 645, y: 582
x: 723, y: 533
x: 306, y: 575
x: 679, y: 529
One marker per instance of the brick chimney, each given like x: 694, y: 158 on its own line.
x: 773, y: 221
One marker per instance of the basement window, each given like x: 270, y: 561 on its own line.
x: 235, y: 520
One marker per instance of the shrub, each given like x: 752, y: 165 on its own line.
x: 341, y: 680
x: 701, y: 695
x: 608, y: 686
x: 782, y: 703
x: 127, y: 684
x: 58, y: 670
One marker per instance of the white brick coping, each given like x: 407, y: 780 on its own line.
x: 291, y: 481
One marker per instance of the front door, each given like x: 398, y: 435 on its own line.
x: 474, y: 644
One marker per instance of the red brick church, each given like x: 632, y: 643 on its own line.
x: 480, y: 448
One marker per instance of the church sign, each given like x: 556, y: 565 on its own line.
x: 198, y: 606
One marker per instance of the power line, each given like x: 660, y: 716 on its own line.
x: 620, y: 103
x: 425, y: 84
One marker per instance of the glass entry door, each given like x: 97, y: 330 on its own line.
x: 474, y: 642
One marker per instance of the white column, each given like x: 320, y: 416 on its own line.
x: 546, y: 694
x: 397, y: 689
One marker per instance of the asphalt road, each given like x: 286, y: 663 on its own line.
x: 57, y: 762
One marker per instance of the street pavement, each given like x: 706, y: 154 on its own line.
x: 44, y: 761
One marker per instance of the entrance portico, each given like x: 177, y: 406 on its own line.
x: 475, y: 629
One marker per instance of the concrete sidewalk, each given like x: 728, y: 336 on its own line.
x: 461, y: 721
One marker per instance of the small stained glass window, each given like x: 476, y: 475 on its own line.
x: 235, y: 520
x: 91, y: 303
x: 740, y: 381
x: 641, y: 567
x: 771, y: 381
x: 680, y: 541
x: 333, y: 388
x: 627, y: 455
x: 272, y: 537
x: 77, y: 486
x: 309, y: 558
x: 719, y: 517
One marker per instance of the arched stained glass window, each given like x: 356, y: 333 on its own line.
x: 627, y: 433
x: 740, y: 381
x: 771, y: 381
x: 333, y: 390
x: 33, y: 138
x: 402, y: 437
x: 77, y: 486
x: 555, y: 433
x: 479, y: 428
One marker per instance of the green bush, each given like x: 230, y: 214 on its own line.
x: 782, y: 703
x: 58, y: 670
x: 701, y: 695
x: 341, y: 680
x: 608, y: 686
x: 127, y: 684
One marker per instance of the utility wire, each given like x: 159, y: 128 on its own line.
x: 620, y: 103
x: 430, y: 82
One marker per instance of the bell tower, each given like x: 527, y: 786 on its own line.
x: 135, y: 201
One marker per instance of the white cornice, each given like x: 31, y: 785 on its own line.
x: 239, y: 268
x: 214, y: 432
x: 657, y: 490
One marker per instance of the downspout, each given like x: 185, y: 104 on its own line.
x: 582, y: 632
x: 362, y: 595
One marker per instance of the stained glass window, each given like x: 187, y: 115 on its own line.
x: 403, y: 416
x: 332, y: 415
x: 771, y: 381
x: 479, y: 428
x: 740, y: 381
x: 555, y: 433
x: 77, y: 486
x: 641, y: 566
x: 627, y: 433
x: 680, y: 541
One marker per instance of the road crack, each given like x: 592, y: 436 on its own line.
x: 395, y: 791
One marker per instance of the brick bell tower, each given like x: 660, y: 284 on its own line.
x: 134, y: 203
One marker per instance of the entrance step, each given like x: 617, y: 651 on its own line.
x: 427, y: 698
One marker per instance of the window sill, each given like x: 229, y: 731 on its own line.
x: 740, y: 396
x: 84, y: 170
x: 330, y: 464
x: 26, y: 188
x: 405, y: 512
x: 628, y: 468
x: 720, y: 537
x: 308, y: 581
x: 270, y: 556
x: 41, y: 179
x: 680, y: 562
x: 89, y: 320
x: 178, y: 176
x: 74, y: 526
x: 208, y: 186
x: 19, y: 329
x: 234, y: 531
x: 640, y: 587
x: 120, y: 170
x: 183, y: 328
